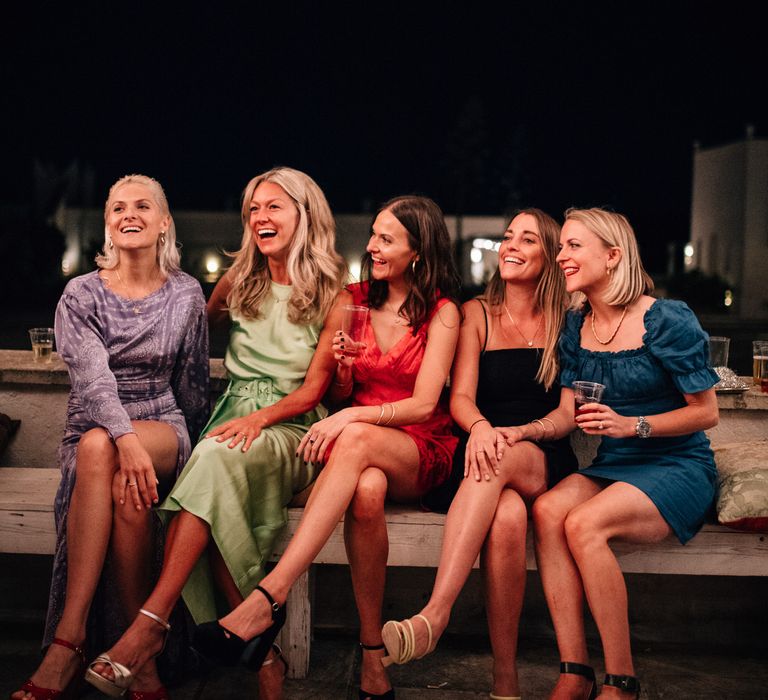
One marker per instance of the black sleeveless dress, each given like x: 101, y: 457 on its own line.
x: 508, y: 394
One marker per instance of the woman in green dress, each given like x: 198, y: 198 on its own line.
x: 230, y: 502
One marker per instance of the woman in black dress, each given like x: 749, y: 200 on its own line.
x: 504, y: 375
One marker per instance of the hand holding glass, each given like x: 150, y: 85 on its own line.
x: 586, y: 392
x: 353, y: 326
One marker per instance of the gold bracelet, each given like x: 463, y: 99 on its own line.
x: 554, y: 427
x: 391, y: 418
x: 381, y: 414
x: 543, y: 429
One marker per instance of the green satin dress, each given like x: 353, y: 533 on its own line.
x: 244, y: 496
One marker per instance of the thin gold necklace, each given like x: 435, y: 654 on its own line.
x: 137, y: 308
x: 399, y: 318
x: 615, y: 330
x: 514, y: 323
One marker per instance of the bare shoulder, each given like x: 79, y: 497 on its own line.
x: 447, y: 315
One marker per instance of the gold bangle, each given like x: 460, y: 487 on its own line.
x: 554, y: 427
x: 381, y: 414
x: 391, y: 418
x: 543, y: 429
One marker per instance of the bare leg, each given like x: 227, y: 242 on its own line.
x: 523, y: 468
x: 619, y: 511
x: 89, y: 522
x: 187, y: 539
x: 503, y: 566
x: 561, y: 579
x: 365, y: 537
x: 132, y: 542
x: 358, y: 447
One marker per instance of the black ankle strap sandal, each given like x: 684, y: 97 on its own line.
x: 628, y: 684
x: 365, y: 695
x: 581, y: 670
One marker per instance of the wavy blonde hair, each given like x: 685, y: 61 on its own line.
x: 317, y: 272
x: 167, y: 253
x: 551, y: 297
x: 629, y: 280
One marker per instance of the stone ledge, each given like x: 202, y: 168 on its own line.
x: 17, y: 367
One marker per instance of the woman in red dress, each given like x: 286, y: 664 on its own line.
x: 393, y: 441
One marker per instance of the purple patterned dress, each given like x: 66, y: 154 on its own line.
x: 142, y: 359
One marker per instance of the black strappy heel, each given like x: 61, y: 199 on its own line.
x: 364, y: 695
x: 628, y: 684
x: 218, y: 644
x: 581, y: 670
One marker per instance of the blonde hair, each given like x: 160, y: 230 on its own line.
x: 167, y: 252
x: 317, y: 272
x: 629, y: 280
x: 550, y: 298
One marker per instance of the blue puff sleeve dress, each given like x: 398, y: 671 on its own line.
x: 677, y: 473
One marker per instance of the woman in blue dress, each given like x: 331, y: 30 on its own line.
x: 654, y: 473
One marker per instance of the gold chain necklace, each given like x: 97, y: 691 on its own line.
x: 399, y: 318
x: 615, y: 330
x: 137, y: 308
x: 514, y: 323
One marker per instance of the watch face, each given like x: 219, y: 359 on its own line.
x: 643, y: 428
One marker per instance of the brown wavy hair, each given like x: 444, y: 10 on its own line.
x: 551, y: 297
x: 434, y: 275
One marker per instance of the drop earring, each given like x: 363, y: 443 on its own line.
x: 162, y: 237
x: 111, y: 245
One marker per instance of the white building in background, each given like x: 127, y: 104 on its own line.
x: 204, y: 235
x: 729, y: 221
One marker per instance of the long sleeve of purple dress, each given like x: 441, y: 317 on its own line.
x: 81, y: 342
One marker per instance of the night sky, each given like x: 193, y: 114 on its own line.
x: 542, y: 104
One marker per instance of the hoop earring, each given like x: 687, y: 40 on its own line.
x: 413, y: 266
x: 162, y: 237
x: 111, y: 245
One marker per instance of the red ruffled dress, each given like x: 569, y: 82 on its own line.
x: 385, y: 378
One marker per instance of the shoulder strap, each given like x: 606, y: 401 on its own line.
x: 485, y: 319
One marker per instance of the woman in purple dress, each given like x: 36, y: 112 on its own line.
x: 135, y: 340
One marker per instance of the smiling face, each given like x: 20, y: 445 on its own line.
x: 583, y: 258
x: 134, y: 218
x: 389, y: 248
x: 273, y: 218
x: 521, y: 255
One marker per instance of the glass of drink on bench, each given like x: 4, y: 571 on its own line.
x: 42, y: 344
x: 587, y: 392
x: 760, y: 362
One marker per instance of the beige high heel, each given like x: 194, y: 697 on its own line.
x: 400, y: 640
x: 123, y: 676
x: 492, y: 696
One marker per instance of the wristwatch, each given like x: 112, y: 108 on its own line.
x: 643, y: 427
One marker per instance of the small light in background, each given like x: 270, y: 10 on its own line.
x: 212, y: 264
x: 728, y: 300
x: 688, y: 252
x: 476, y: 255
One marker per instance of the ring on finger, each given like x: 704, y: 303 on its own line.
x: 131, y: 483
x: 600, y: 427
x: 312, y: 438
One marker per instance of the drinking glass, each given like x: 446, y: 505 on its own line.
x: 353, y: 325
x: 587, y: 392
x: 759, y: 361
x: 718, y: 351
x: 42, y: 344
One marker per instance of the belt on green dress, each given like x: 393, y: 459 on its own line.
x: 262, y: 390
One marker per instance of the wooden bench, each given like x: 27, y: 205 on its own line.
x: 26, y: 526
